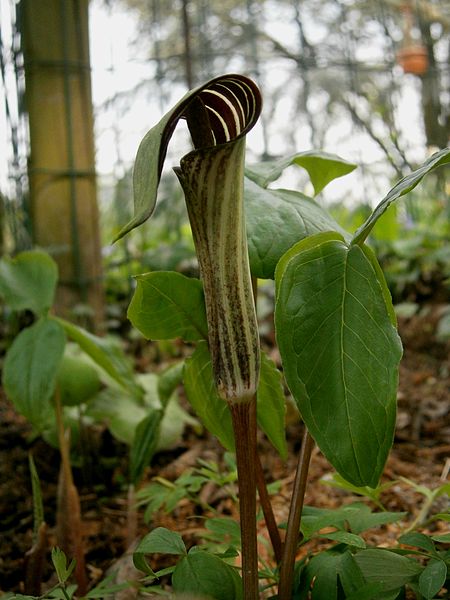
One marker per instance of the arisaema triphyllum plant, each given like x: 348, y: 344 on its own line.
x: 335, y: 324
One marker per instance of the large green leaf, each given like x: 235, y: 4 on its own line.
x: 404, y: 186
x: 147, y: 424
x: 119, y: 411
x: 144, y: 444
x: 445, y: 538
x: 370, y: 591
x: 356, y: 518
x: 234, y: 93
x: 419, y: 540
x: 325, y: 570
x: 432, y: 578
x: 173, y: 424
x: 388, y: 568
x: 162, y: 541
x: 335, y: 328
x: 202, y: 394
x: 123, y: 411
x: 272, y: 405
x: 30, y: 369
x: 278, y: 219
x: 168, y: 305
x: 106, y: 353
x: 322, y: 168
x: 213, y: 411
x: 169, y: 380
x: 344, y: 537
x: 203, y: 573
x: 78, y: 380
x: 28, y: 281
x: 161, y: 392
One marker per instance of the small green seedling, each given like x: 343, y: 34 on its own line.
x: 165, y: 495
x: 47, y: 381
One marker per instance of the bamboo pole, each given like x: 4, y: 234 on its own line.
x: 63, y: 202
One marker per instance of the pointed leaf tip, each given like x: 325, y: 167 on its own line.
x: 340, y: 351
x: 322, y: 168
x: 402, y: 187
x: 28, y: 281
x: 230, y: 106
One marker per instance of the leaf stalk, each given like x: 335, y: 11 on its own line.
x: 294, y: 520
x: 244, y: 426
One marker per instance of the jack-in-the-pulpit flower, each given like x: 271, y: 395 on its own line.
x: 219, y: 115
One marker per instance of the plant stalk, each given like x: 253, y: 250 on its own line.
x: 269, y: 517
x: 244, y: 425
x: 69, y: 512
x: 295, y: 515
x: 131, y: 516
x: 34, y: 562
x: 264, y: 499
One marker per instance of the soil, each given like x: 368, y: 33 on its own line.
x: 421, y: 454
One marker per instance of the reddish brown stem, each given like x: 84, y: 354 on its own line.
x: 264, y: 499
x: 269, y: 517
x: 295, y: 515
x: 244, y: 425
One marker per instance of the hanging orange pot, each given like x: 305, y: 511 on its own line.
x: 413, y: 59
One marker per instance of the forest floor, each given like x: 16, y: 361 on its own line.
x: 421, y: 453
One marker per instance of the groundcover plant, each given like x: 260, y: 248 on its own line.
x: 335, y: 329
x: 64, y: 379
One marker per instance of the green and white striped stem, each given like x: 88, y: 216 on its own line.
x: 219, y: 114
x: 212, y: 179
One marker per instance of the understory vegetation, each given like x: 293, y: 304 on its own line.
x: 260, y: 337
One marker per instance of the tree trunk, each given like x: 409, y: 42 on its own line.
x: 436, y: 131
x: 63, y: 200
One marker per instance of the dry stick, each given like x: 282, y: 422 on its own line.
x: 269, y: 517
x: 70, y: 500
x: 244, y: 425
x: 295, y: 515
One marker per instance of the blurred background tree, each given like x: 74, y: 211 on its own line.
x: 339, y: 56
x: 369, y: 80
x: 61, y: 167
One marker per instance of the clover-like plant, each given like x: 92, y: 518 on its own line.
x: 334, y: 319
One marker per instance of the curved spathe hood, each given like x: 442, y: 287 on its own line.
x: 218, y: 112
